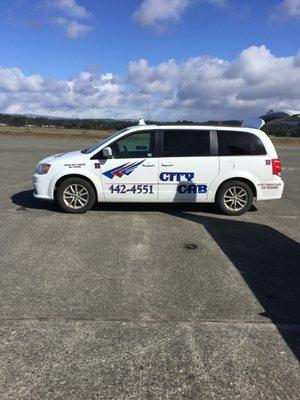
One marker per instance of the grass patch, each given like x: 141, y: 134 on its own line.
x: 287, y: 140
x: 98, y: 135
x: 54, y: 132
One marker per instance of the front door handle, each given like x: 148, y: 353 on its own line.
x: 148, y: 165
x: 167, y: 164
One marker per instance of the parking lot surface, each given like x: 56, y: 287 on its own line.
x: 146, y: 301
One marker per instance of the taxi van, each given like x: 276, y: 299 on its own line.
x: 228, y: 166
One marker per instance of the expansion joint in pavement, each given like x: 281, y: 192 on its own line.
x: 154, y: 321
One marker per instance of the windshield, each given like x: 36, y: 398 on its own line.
x: 95, y: 147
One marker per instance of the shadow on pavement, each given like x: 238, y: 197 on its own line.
x: 268, y: 261
x: 26, y: 200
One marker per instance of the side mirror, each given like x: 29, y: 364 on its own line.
x: 107, y: 152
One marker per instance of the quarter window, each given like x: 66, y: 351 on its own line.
x: 232, y: 143
x: 186, y: 143
x: 138, y: 145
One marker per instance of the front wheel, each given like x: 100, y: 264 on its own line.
x: 234, y: 198
x: 75, y: 195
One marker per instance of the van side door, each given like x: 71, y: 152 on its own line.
x: 132, y: 172
x: 188, y: 165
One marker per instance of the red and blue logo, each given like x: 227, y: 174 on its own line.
x: 124, y: 169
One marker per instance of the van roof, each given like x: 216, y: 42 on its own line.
x: 202, y: 127
x: 195, y: 127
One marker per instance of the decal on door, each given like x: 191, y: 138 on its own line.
x: 124, y: 169
x: 176, y: 176
x: 183, y: 189
x: 135, y: 189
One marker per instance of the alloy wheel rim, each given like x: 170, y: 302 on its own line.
x: 76, y: 196
x: 235, y: 198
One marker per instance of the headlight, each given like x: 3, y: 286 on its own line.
x: 42, y: 169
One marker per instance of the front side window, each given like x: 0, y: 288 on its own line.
x: 102, y: 142
x: 239, y: 144
x: 186, y: 143
x: 137, y: 145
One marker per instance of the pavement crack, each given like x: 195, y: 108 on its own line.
x: 154, y: 321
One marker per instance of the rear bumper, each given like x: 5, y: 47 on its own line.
x: 41, y: 184
x: 270, y: 191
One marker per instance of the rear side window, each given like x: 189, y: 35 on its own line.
x: 233, y: 143
x: 186, y: 143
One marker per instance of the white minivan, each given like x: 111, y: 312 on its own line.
x: 229, y: 166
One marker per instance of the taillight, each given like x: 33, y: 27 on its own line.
x: 276, y: 166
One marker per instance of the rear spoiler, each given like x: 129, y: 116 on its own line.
x: 270, y: 117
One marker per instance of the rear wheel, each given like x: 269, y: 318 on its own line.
x: 234, y: 198
x: 75, y: 195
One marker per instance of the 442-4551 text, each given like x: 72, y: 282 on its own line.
x: 135, y: 189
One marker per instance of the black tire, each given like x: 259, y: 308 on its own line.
x: 241, y: 200
x: 63, y: 198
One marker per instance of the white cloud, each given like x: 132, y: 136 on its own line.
x: 219, y: 3
x: 200, y: 88
x: 158, y: 12
x: 287, y: 9
x: 88, y: 95
x: 73, y: 29
x: 71, y: 8
x: 152, y: 12
x: 14, y: 80
x: 68, y: 15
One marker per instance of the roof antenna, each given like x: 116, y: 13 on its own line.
x: 142, y: 122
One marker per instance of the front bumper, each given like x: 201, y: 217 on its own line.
x: 41, y: 184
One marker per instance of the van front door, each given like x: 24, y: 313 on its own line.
x: 187, y: 166
x: 132, y: 172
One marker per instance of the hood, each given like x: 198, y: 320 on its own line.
x: 62, y: 157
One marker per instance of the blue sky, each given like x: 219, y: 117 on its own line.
x: 57, y: 40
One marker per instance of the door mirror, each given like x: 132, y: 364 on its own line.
x: 107, y: 152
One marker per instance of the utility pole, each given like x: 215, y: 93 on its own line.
x: 148, y: 112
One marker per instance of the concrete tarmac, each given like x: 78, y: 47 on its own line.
x: 113, y: 304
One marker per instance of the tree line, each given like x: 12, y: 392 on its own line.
x: 67, y: 123
x: 87, y: 123
x: 280, y: 129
